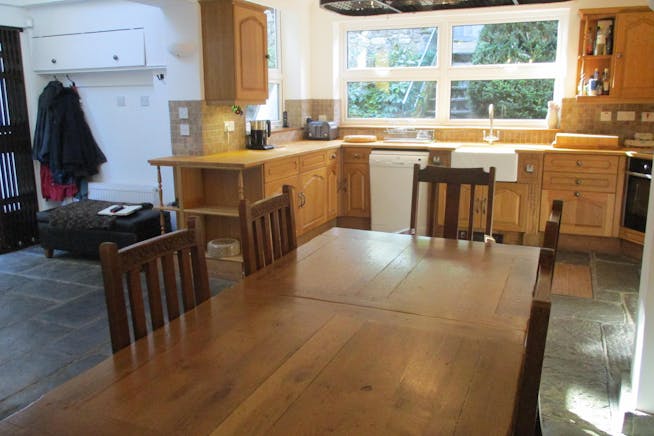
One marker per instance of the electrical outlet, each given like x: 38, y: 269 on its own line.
x: 626, y: 116
x: 184, y: 130
x: 605, y: 116
x: 145, y: 101
x: 229, y: 126
x: 120, y: 101
x: 183, y: 113
x: 647, y: 117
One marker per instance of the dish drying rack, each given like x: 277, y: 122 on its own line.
x: 408, y: 135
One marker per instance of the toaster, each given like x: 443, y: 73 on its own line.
x: 325, y: 130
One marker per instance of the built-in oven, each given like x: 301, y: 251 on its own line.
x: 637, y: 185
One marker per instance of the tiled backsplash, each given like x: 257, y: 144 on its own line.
x: 206, y: 133
x: 586, y: 118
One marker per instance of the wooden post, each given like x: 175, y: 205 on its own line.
x: 162, y: 217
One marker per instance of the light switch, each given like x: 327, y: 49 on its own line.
x: 229, y: 126
x: 184, y: 130
x: 183, y: 113
x: 626, y: 116
x: 145, y: 100
x: 120, y: 101
x: 605, y: 116
x: 647, y: 117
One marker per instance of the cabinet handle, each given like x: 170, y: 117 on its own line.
x: 580, y: 163
x: 115, y: 57
x: 53, y: 60
x: 436, y: 160
x: 577, y: 194
x: 333, y: 156
x: 619, y: 56
x: 579, y: 181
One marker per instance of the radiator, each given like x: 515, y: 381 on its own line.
x: 124, y: 193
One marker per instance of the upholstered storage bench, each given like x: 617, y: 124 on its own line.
x: 78, y: 228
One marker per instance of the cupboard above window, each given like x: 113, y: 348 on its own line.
x: 612, y: 44
x: 115, y: 49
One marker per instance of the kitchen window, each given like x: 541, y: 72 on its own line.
x: 447, y: 69
x: 272, y: 110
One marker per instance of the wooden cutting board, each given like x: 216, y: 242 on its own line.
x: 580, y: 140
x: 359, y: 138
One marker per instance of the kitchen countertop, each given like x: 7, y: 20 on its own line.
x: 242, y: 159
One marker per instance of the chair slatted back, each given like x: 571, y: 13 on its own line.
x: 553, y: 226
x: 267, y: 229
x: 168, y: 256
x: 454, y: 179
x: 526, y: 412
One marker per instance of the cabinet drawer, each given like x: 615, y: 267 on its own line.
x: 581, y: 163
x: 280, y: 168
x: 356, y: 155
x: 314, y: 160
x: 580, y: 181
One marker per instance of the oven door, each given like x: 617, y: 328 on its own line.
x: 636, y: 201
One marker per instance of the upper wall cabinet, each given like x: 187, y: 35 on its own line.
x: 122, y: 49
x: 235, y: 47
x: 613, y: 43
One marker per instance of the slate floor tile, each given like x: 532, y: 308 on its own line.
x: 67, y: 271
x: 18, y: 261
x: 10, y: 281
x: 587, y: 309
x: 53, y: 290
x: 34, y: 391
x: 575, y: 339
x: 617, y: 258
x: 573, y: 257
x: 15, y: 308
x: 77, y: 312
x: 27, y: 336
x: 617, y: 277
x: 93, y: 336
x: 631, y: 304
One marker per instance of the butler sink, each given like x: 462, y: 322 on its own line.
x: 504, y: 159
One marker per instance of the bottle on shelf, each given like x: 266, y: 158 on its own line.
x: 600, y: 43
x: 594, y: 84
x: 589, y: 48
x: 609, y: 40
x: 606, y: 83
x: 581, y: 87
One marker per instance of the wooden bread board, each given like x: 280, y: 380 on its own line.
x: 580, y: 140
x: 360, y: 138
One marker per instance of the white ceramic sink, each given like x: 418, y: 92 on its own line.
x: 504, y: 159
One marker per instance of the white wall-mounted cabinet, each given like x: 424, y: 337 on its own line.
x: 115, y: 49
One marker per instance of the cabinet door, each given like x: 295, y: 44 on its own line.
x: 275, y: 188
x: 89, y: 51
x: 333, y: 176
x: 510, y: 207
x: 633, y: 69
x: 313, y: 201
x: 357, y: 190
x: 584, y: 213
x: 250, y: 53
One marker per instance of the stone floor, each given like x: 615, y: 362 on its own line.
x: 53, y: 326
x: 53, y: 322
x: 589, y: 347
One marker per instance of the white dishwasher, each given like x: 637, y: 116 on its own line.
x: 391, y: 183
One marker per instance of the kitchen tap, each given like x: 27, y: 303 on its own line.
x: 491, y: 137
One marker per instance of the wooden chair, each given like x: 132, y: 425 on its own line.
x: 553, y: 225
x: 146, y: 257
x: 527, y: 410
x: 453, y: 178
x: 267, y: 229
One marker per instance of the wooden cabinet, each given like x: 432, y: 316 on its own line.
x: 588, y: 186
x: 234, y: 47
x: 631, y: 74
x: 510, y: 207
x: 314, y: 177
x: 356, y: 182
x: 333, y: 178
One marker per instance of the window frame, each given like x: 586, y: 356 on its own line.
x: 444, y: 72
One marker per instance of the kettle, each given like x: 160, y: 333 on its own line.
x: 259, y: 134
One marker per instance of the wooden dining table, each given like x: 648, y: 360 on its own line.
x: 355, y: 332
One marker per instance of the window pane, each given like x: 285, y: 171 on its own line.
x: 268, y: 111
x: 391, y: 99
x: 271, y: 15
x: 522, y: 99
x: 388, y: 48
x: 505, y: 43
